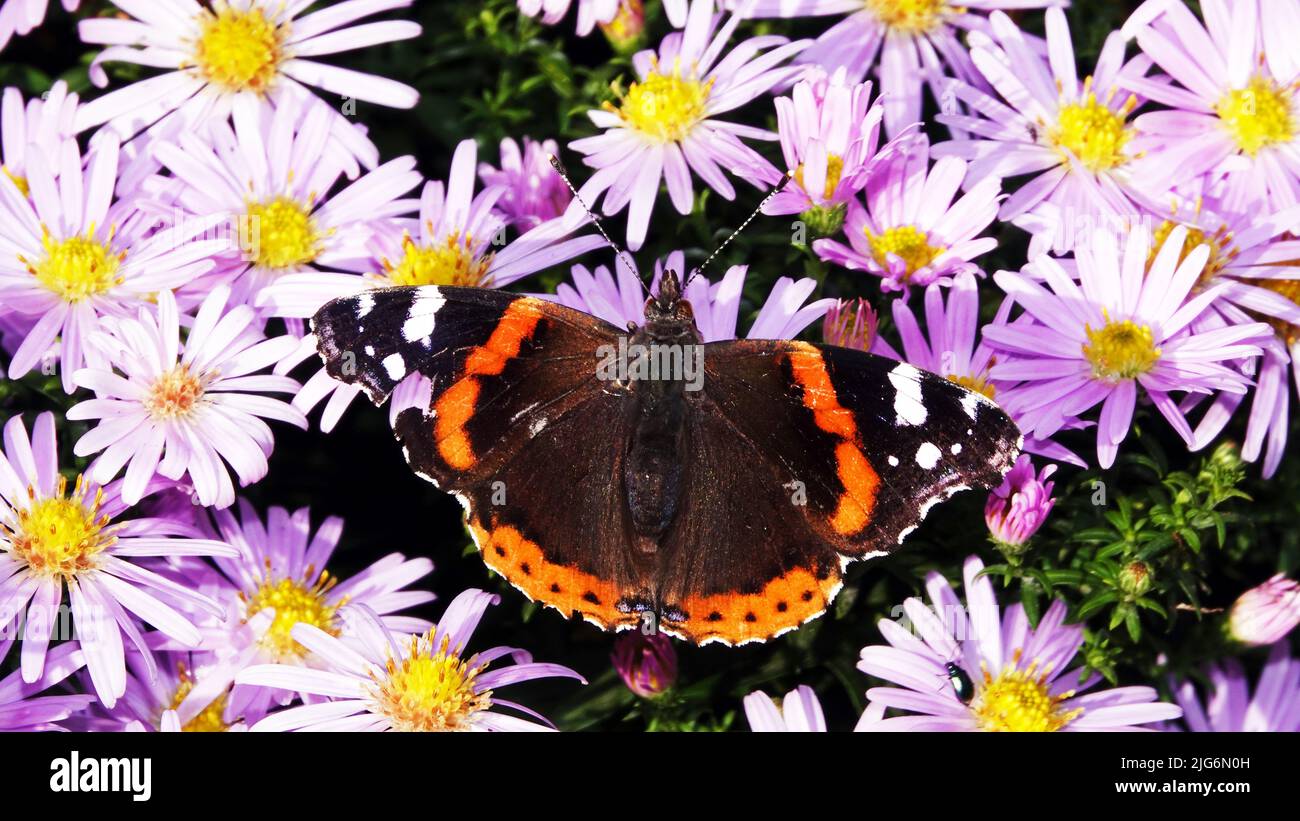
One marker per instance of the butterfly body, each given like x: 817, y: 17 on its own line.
x: 722, y: 494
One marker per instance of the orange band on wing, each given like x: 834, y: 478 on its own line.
x: 859, y: 478
x: 456, y: 405
x: 783, y: 604
x: 566, y: 588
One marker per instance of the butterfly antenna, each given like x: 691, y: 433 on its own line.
x: 776, y: 189
x: 619, y: 252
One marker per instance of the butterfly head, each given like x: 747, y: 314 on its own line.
x: 667, y: 315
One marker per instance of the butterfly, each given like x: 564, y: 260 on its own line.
x: 720, y: 496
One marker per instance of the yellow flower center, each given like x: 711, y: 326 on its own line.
x: 282, y: 234
x: 665, y: 107
x: 19, y: 181
x: 76, y: 268
x: 907, y: 242
x: 174, y: 395
x: 834, y: 170
x: 294, y: 603
x: 60, y: 535
x: 910, y: 16
x: 1258, y: 115
x: 429, y: 691
x: 1019, y: 701
x: 209, y: 720
x: 239, y: 50
x: 979, y: 383
x: 1120, y: 350
x: 1092, y: 132
x: 452, y: 262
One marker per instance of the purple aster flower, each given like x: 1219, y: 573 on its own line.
x: 1020, y: 675
x: 534, y: 191
x: 665, y: 125
x: 911, y: 232
x: 50, y: 538
x: 459, y: 239
x: 268, y: 183
x: 282, y: 571
x: 1254, y: 258
x: 1072, y: 135
x: 1127, y: 323
x: 1018, y: 507
x: 173, y: 692
x: 20, y: 17
x: 182, y: 409
x: 1267, y: 613
x: 830, y: 133
x: 422, y: 683
x: 591, y: 12
x: 42, y: 123
x: 647, y: 664
x: 22, y: 710
x: 1234, y: 117
x: 1274, y: 707
x: 71, y: 254
x: 800, y: 712
x: 230, y: 56
x: 716, y: 304
x: 916, y: 41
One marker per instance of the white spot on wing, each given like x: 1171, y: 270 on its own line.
x: 927, y: 456
x: 365, y: 304
x: 970, y: 403
x: 907, y: 395
x: 956, y: 449
x: 395, y: 365
x: 419, y: 323
x: 893, y: 461
x: 538, y: 425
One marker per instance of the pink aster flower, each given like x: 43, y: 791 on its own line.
x: 917, y: 43
x: 72, y: 254
x: 20, y: 17
x: 1274, y: 707
x: 646, y: 663
x: 1253, y: 257
x: 1019, y: 676
x: 800, y: 712
x: 171, y: 692
x: 269, y: 182
x: 390, y: 682
x: 282, y: 571
x: 1234, y: 100
x: 1073, y: 136
x: 1267, y: 613
x: 911, y: 232
x: 665, y: 125
x: 830, y: 133
x: 23, y: 710
x: 853, y: 323
x: 182, y: 409
x: 716, y: 304
x: 1127, y: 323
x: 1017, y: 508
x: 231, y: 55
x: 459, y: 239
x: 51, y: 539
x: 534, y: 192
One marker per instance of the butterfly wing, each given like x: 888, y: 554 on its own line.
x: 514, y: 398
x: 802, y: 458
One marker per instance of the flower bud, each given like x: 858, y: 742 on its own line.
x: 647, y: 664
x: 1265, y: 614
x: 1017, y: 509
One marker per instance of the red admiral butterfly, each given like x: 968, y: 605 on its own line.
x: 727, y: 512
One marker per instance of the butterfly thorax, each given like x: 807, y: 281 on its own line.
x: 652, y: 472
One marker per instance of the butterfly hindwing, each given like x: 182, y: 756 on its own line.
x: 804, y: 456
